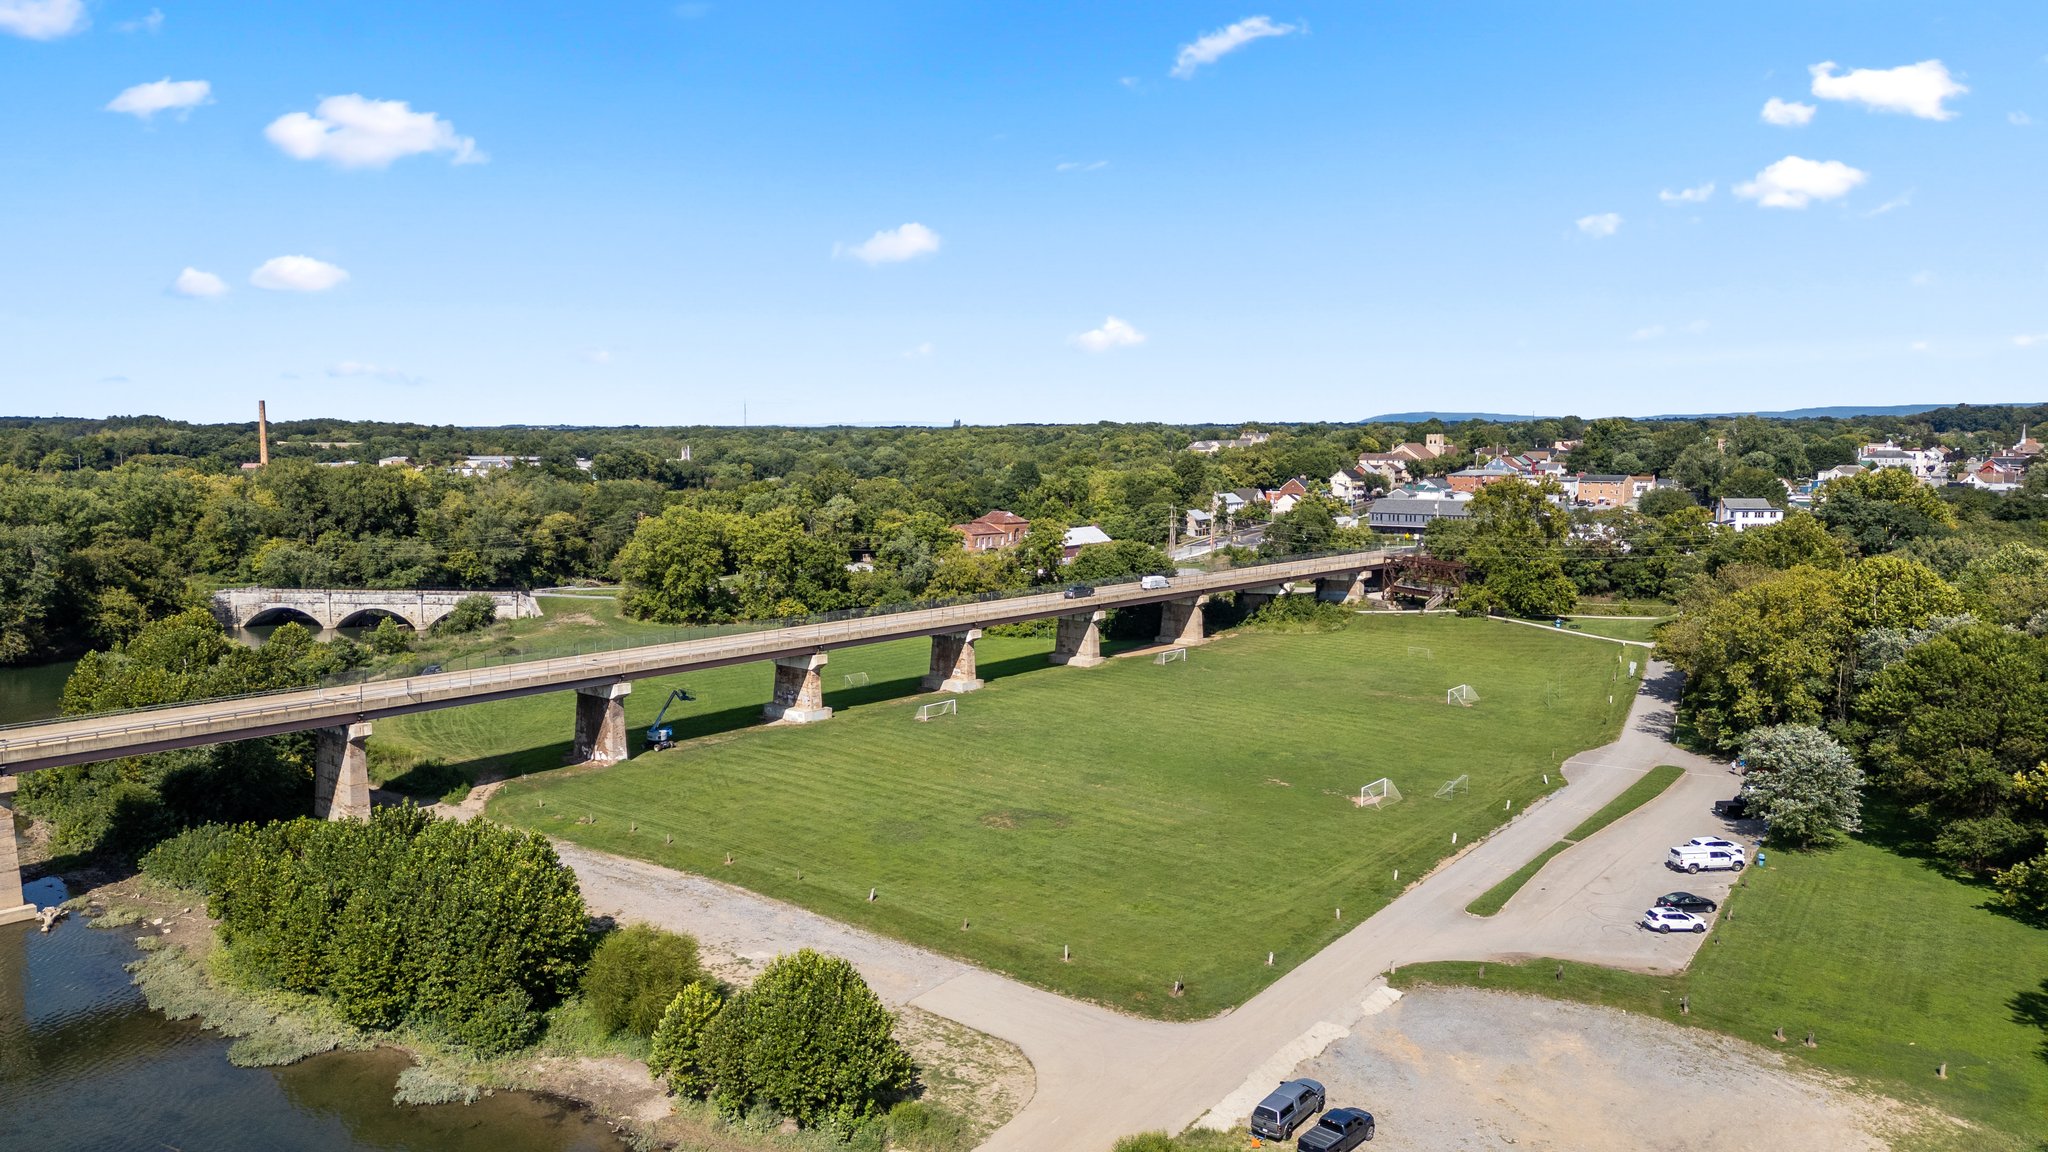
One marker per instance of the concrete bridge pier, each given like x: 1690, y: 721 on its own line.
x: 341, y: 772
x: 953, y: 662
x: 1342, y: 587
x: 1253, y: 599
x: 1080, y: 640
x: 600, y: 724
x: 799, y: 691
x: 13, y: 908
x: 1180, y: 621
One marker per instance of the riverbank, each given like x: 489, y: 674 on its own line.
x: 184, y: 975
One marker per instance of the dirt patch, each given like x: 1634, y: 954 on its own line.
x: 1451, y: 1070
x: 968, y: 1073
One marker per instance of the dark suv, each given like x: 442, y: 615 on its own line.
x: 1340, y: 1130
x: 1286, y: 1108
x: 1079, y: 591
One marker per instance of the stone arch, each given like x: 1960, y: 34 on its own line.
x: 283, y: 614
x: 369, y: 618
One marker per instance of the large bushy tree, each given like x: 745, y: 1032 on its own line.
x: 1804, y: 782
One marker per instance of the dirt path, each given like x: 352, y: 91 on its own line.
x: 1453, y: 1070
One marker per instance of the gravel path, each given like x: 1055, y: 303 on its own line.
x: 1462, y: 1070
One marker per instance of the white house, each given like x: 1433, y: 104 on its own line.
x: 1351, y: 485
x: 1926, y: 463
x: 1744, y: 512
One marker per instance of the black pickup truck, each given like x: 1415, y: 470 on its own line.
x: 1340, y: 1130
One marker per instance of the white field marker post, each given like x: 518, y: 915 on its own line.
x: 1454, y: 839
x: 1065, y: 954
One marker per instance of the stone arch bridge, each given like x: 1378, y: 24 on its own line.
x: 353, y: 607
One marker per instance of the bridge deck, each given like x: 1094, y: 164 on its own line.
x: 77, y: 740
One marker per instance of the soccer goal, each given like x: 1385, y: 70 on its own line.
x: 1171, y: 655
x: 1453, y: 787
x: 1463, y: 696
x: 1377, y: 794
x: 1417, y: 651
x: 855, y: 679
x: 938, y: 708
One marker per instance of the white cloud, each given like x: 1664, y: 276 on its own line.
x: 297, y: 274
x: 1698, y: 195
x: 42, y: 19
x: 1215, y: 45
x: 193, y: 282
x: 1915, y: 89
x: 2018, y: 119
x: 1918, y: 346
x: 892, y: 245
x: 1896, y: 202
x: 1652, y: 332
x: 1078, y: 166
x: 1795, y: 182
x: 2028, y: 341
x: 1114, y: 333
x: 1787, y: 113
x: 354, y: 132
x: 598, y: 356
x: 923, y: 351
x: 1921, y: 279
x: 146, y: 100
x: 372, y: 371
x: 1603, y: 225
x: 1128, y: 81
x: 152, y: 23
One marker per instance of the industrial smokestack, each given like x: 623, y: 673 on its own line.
x: 262, y: 436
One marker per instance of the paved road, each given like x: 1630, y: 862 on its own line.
x: 1101, y: 1075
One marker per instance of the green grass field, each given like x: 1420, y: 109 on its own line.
x: 1616, y: 629
x: 1896, y: 968
x: 1166, y: 823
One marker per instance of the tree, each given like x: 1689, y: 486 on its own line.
x: 810, y: 1040
x: 31, y: 570
x: 1804, y: 783
x: 1309, y: 526
x: 1514, y: 543
x: 1117, y: 561
x: 677, y: 1057
x: 470, y: 614
x: 675, y: 567
x: 2009, y: 585
x: 1880, y: 510
x: 1658, y: 503
x: 634, y: 974
x: 1765, y: 654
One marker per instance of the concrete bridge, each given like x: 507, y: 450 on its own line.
x: 341, y: 717
x: 351, y: 607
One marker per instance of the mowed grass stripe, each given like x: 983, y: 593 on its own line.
x: 1167, y: 822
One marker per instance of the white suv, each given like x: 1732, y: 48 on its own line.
x: 1672, y: 920
x: 1706, y: 858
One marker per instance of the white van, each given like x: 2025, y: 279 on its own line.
x: 1153, y: 583
x: 1706, y: 858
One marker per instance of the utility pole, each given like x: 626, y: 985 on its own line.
x: 262, y: 436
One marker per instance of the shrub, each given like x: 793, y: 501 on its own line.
x: 469, y: 929
x: 810, y: 1040
x: 181, y: 860
x: 388, y: 638
x: 636, y: 973
x: 1300, y: 614
x: 469, y: 614
x: 1804, y: 782
x: 920, y: 1127
x: 677, y: 1056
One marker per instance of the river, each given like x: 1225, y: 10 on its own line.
x: 32, y: 692
x: 86, y: 1065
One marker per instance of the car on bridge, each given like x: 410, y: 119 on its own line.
x: 1153, y: 583
x: 1686, y: 902
x: 1669, y: 920
x: 1079, y: 591
x: 1340, y: 1130
x: 1286, y: 1108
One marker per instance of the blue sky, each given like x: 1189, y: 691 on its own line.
x: 659, y: 212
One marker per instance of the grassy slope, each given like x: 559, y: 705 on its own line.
x: 1617, y: 629
x: 1651, y: 786
x: 1497, y: 897
x: 1167, y: 823
x: 1896, y: 967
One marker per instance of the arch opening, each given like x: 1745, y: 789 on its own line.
x: 371, y: 617
x: 282, y: 615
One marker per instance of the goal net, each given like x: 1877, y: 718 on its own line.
x: 1463, y: 696
x: 938, y: 708
x: 1417, y: 651
x: 1170, y: 655
x: 1453, y: 787
x: 1378, y: 793
x: 855, y: 679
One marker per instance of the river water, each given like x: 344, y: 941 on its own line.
x: 86, y: 1065
x: 33, y: 692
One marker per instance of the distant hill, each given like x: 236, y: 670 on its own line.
x: 1446, y: 417
x: 1839, y: 411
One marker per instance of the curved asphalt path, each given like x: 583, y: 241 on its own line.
x: 1102, y: 1075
